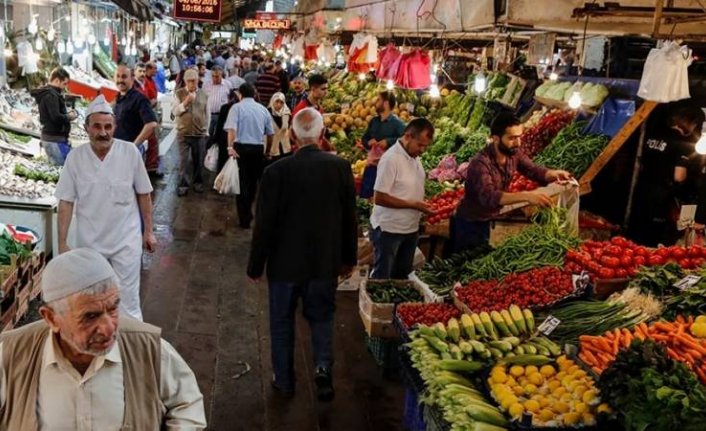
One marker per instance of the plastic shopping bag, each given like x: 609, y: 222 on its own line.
x: 210, y: 162
x: 665, y: 77
x: 228, y: 182
x: 569, y: 199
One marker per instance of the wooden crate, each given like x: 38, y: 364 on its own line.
x: 36, y: 287
x: 9, y: 275
x: 7, y: 318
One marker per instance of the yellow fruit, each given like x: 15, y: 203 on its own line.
x: 558, y: 392
x: 506, y: 402
x: 546, y: 415
x: 604, y: 408
x: 553, y: 385
x: 567, y: 381
x: 698, y: 330
x: 544, y: 402
x: 517, y: 371
x: 516, y: 410
x: 523, y: 381
x: 498, y: 377
x: 700, y: 319
x: 561, y: 360
x: 531, y: 369
x: 572, y: 418
x: 573, y: 369
x: 517, y: 390
x: 532, y: 406
x: 588, y: 419
x: 536, y: 379
x: 579, y: 374
x: 580, y: 390
x: 589, y: 397
x: 560, y: 407
x: 560, y: 375
x: 530, y: 389
x: 567, y: 398
x: 580, y: 408
x: 547, y: 370
x: 511, y: 381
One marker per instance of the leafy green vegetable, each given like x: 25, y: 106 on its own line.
x: 364, y: 208
x: 652, y: 391
x: 9, y: 246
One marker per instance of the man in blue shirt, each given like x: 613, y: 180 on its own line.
x: 247, y: 125
x: 160, y: 78
x: 135, y: 120
x: 383, y: 131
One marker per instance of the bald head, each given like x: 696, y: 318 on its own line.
x: 308, y: 127
x: 124, y: 79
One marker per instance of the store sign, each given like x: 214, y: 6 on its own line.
x: 198, y: 10
x: 267, y: 24
x: 265, y: 15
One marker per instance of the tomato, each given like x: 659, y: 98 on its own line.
x: 621, y: 273
x: 677, y: 252
x: 698, y: 262
x: 655, y: 260
x: 639, y: 260
x: 626, y: 261
x: 641, y: 251
x: 612, y: 250
x: 610, y: 262
x: 606, y: 273
x: 619, y: 241
x: 685, y: 263
x: 596, y: 253
x: 632, y: 271
x: 662, y: 252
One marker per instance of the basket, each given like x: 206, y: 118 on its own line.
x: 384, y: 351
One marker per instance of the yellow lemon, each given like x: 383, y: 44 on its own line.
x: 517, y: 371
x: 532, y: 406
x: 507, y: 401
x: 499, y: 377
x: 531, y: 369
x: 516, y: 410
x: 558, y: 392
x: 700, y: 319
x: 560, y: 375
x: 567, y: 397
x: 589, y: 397
x: 580, y: 408
x: 561, y: 359
x: 580, y: 390
x: 604, y: 408
x: 523, y: 381
x: 571, y: 418
x: 547, y: 370
x: 553, y: 385
x: 511, y: 381
x: 517, y: 390
x: 574, y: 368
x: 546, y: 415
x: 530, y: 389
x: 536, y: 378
x: 560, y: 407
x: 698, y: 330
x: 566, y: 381
x: 579, y: 374
x: 588, y: 419
x: 544, y: 402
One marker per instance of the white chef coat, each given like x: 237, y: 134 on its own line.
x: 96, y: 401
x: 401, y: 176
x: 104, y: 196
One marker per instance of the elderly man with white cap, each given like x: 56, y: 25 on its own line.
x: 107, y: 186
x: 85, y: 366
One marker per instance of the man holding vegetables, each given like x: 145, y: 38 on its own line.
x: 489, y: 176
x: 399, y: 202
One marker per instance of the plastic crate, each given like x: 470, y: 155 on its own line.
x: 434, y: 419
x: 413, y: 419
x: 384, y: 351
x: 410, y: 376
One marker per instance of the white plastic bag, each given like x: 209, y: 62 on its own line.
x: 227, y: 182
x: 569, y: 199
x: 665, y: 77
x: 210, y: 162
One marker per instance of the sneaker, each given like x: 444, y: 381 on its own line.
x: 182, y: 191
x: 198, y: 188
x: 324, y: 384
x: 284, y: 393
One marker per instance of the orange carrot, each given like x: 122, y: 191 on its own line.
x: 604, y: 345
x: 627, y: 338
x: 680, y: 319
x: 702, y: 375
x: 674, y: 355
x: 643, y: 327
x: 659, y: 337
x: 616, y: 345
x: 689, y: 342
x: 663, y: 326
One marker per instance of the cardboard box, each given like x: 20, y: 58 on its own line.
x: 377, y: 318
x: 352, y: 283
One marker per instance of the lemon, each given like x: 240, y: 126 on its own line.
x: 573, y: 369
x: 700, y: 319
x: 517, y: 390
x: 553, y: 385
x: 580, y: 390
x: 560, y: 407
x: 547, y: 370
x: 546, y: 415
x: 516, y: 410
x: 572, y: 418
x: 532, y: 406
x: 567, y: 381
x: 517, y: 371
x: 498, y: 377
x: 560, y: 375
x: 523, y: 381
x: 580, y: 408
x: 511, y: 381
x: 589, y: 397
x: 604, y: 408
x: 567, y: 397
x: 530, y: 389
x: 698, y: 330
x: 531, y: 369
x: 507, y: 401
x: 579, y: 374
x: 544, y: 402
x: 561, y: 359
x: 558, y: 392
x: 536, y: 378
x: 588, y: 419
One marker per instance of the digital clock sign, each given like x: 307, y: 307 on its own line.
x: 198, y: 10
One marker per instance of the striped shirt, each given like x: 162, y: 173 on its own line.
x: 267, y: 85
x: 217, y: 95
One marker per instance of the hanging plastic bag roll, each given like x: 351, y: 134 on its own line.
x: 228, y: 182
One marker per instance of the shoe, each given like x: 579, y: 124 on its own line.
x: 324, y: 384
x: 182, y: 191
x: 198, y: 188
x: 284, y: 393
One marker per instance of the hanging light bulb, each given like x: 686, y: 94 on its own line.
x: 390, y: 85
x: 480, y: 83
x: 8, y: 52
x: 38, y: 45
x: 69, y: 47
x: 553, y: 76
x: 32, y: 27
x: 91, y: 39
x: 361, y: 76
x: 575, y: 100
x: 61, y: 47
x: 50, y: 34
x: 106, y: 41
x: 123, y: 41
x: 133, y: 50
x: 67, y: 18
x: 701, y: 145
x: 434, y: 91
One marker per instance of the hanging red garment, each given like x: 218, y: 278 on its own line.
x: 414, y: 72
x: 277, y: 44
x: 354, y: 60
x: 114, y: 51
x: 389, y: 62
x: 310, y: 52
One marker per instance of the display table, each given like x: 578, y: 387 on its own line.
x: 37, y: 214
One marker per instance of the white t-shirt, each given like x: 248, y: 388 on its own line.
x: 401, y: 176
x: 104, y: 194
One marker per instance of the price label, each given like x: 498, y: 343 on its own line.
x: 581, y: 281
x: 549, y: 325
x: 687, y: 282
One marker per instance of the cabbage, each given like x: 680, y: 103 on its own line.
x: 542, y: 89
x: 557, y: 91
x: 594, y: 95
x: 570, y: 91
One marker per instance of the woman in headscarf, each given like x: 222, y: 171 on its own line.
x: 281, y: 121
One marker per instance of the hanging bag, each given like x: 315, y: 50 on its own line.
x: 228, y: 181
x: 210, y: 162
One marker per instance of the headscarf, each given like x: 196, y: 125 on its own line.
x: 277, y: 116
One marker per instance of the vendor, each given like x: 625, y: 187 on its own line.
x: 489, y: 176
x: 382, y: 133
x: 663, y: 174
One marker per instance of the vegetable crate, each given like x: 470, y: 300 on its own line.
x: 413, y: 419
x: 434, y: 419
x: 9, y: 275
x: 384, y: 351
x: 377, y: 317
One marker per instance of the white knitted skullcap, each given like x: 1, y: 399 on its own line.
x: 99, y: 105
x: 73, y: 272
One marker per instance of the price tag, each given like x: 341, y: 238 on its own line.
x: 345, y: 106
x: 581, y: 281
x: 549, y: 325
x: 687, y: 282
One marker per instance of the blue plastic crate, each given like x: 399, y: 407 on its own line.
x: 384, y: 351
x: 413, y: 412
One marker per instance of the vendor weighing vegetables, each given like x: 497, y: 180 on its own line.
x: 489, y: 176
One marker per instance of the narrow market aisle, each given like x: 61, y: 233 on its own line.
x: 196, y: 289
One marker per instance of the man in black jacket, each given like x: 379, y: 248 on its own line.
x: 306, y: 233
x: 54, y: 117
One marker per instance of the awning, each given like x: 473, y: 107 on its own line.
x: 140, y: 9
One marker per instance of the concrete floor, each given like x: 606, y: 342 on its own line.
x: 196, y: 289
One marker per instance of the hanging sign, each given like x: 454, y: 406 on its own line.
x: 267, y: 24
x: 198, y: 10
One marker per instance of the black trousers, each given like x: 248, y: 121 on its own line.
x: 251, y: 162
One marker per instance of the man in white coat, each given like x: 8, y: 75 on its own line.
x: 105, y: 184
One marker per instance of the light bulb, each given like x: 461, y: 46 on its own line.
x: 575, y: 100
x: 480, y: 83
x: 553, y: 76
x: 91, y: 39
x: 61, y: 47
x: 50, y: 34
x: 123, y: 41
x: 8, y: 52
x: 106, y: 41
x: 67, y: 18
x: 130, y: 33
x: 390, y: 85
x: 292, y: 61
x: 701, y: 145
x: 361, y: 76
x: 339, y: 19
x: 133, y: 51
x: 69, y: 47
x: 434, y: 91
x: 38, y: 45
x: 32, y: 27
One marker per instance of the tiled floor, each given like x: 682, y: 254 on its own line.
x: 196, y: 289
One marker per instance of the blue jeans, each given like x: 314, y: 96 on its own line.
x: 467, y: 235
x: 56, y: 151
x: 319, y: 302
x: 394, y: 254
x: 367, y: 188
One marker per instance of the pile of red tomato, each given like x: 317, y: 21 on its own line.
x: 621, y: 258
x: 520, y: 183
x: 536, y: 288
x: 444, y: 204
x: 426, y: 314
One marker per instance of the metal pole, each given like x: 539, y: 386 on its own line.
x: 635, y: 175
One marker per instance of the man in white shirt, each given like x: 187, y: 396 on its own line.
x: 399, y: 202
x: 86, y: 367
x: 217, y: 90
x: 107, y: 185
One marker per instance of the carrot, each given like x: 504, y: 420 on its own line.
x: 690, y: 320
x: 643, y: 327
x: 702, y: 375
x: 586, y: 338
x: 659, y: 337
x: 590, y: 358
x: 597, y: 370
x: 680, y: 319
x: 680, y: 330
x: 609, y: 336
x: 663, y: 326
x: 616, y: 345
x: 604, y: 345
x: 606, y: 358
x: 674, y: 355
x: 627, y: 338
x: 689, y: 342
x: 688, y: 358
x: 591, y: 346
